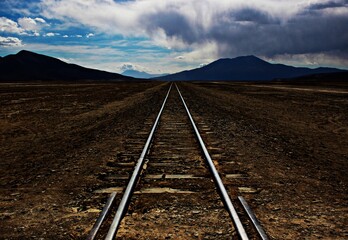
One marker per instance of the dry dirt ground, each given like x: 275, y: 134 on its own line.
x: 57, y: 140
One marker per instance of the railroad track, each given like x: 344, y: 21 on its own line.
x: 175, y: 191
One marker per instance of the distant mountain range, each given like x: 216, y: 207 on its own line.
x: 26, y: 65
x: 29, y: 66
x: 244, y: 69
x: 140, y: 74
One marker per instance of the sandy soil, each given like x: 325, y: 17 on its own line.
x: 58, y: 142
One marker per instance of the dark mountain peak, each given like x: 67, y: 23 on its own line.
x: 237, y: 62
x: 251, y: 59
x: 248, y: 57
x: 27, y: 55
x: 245, y: 68
x: 26, y: 65
x: 26, y: 52
x: 242, y: 59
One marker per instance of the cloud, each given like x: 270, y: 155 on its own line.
x: 110, y: 57
x: 28, y: 24
x: 10, y: 42
x: 20, y: 7
x: 253, y: 16
x: 332, y: 59
x: 67, y: 60
x: 10, y: 26
x: 127, y: 66
x: 41, y: 20
x: 328, y: 4
x: 179, y: 57
x: 89, y: 35
x: 131, y: 66
x: 264, y: 28
x: 199, y: 31
x: 23, y: 26
x: 51, y: 34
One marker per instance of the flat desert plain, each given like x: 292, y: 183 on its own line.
x: 290, y: 140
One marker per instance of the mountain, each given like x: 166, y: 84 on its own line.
x: 139, y: 74
x: 27, y: 65
x: 243, y: 69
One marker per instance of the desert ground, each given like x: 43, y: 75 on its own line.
x: 58, y: 139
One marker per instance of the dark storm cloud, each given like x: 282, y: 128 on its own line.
x: 301, y: 35
x: 330, y: 4
x: 252, y: 31
x: 253, y: 15
x: 172, y: 23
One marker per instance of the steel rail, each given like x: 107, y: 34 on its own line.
x: 228, y: 203
x: 135, y: 176
x: 253, y: 219
x: 102, y: 216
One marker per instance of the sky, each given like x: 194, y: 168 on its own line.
x: 167, y: 36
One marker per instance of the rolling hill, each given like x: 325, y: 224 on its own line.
x: 26, y: 65
x: 244, y: 69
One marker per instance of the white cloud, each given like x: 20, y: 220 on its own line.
x: 127, y: 66
x: 25, y: 26
x: 51, y: 34
x: 132, y: 66
x: 65, y: 36
x: 207, y: 52
x: 28, y: 24
x: 31, y: 24
x: 41, y: 20
x: 10, y: 26
x: 78, y: 36
x: 67, y: 60
x: 89, y: 35
x: 10, y: 42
